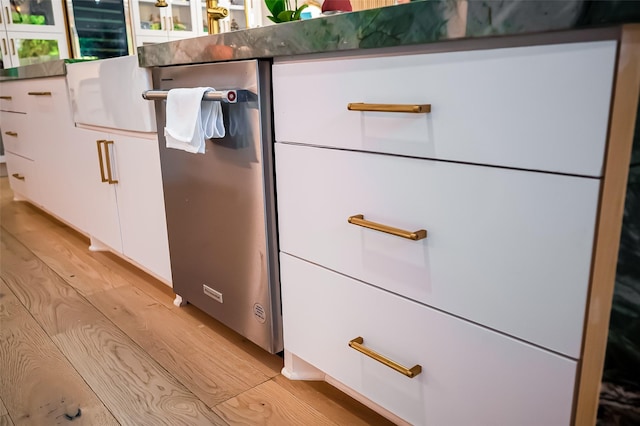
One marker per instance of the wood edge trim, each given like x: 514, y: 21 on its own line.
x: 609, y: 226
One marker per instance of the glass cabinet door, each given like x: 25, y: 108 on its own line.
x: 150, y: 20
x: 24, y: 48
x: 182, y: 19
x: 175, y: 21
x: 237, y: 15
x: 33, y: 15
x: 181, y: 16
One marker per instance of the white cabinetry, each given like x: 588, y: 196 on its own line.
x: 35, y: 119
x: 490, y: 301
x: 42, y: 17
x: 470, y: 375
x: 188, y: 18
x: 122, y: 195
x: 105, y: 183
x: 502, y: 224
x: 32, y: 32
x: 120, y: 161
x: 160, y: 24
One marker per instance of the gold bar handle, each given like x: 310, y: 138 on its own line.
x: 414, y: 109
x: 18, y: 176
x: 6, y: 9
x: 360, y: 221
x: 358, y: 345
x: 4, y: 46
x: 6, y: 98
x: 13, y: 47
x: 108, y: 158
x: 101, y: 161
x: 11, y: 133
x: 39, y: 93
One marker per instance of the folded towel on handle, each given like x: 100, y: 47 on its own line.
x: 190, y: 120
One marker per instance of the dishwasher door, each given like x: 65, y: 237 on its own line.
x: 220, y: 205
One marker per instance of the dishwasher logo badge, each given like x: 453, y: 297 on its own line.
x: 259, y: 313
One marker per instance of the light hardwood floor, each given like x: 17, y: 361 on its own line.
x: 87, y: 339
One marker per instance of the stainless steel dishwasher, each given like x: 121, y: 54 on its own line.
x: 220, y: 205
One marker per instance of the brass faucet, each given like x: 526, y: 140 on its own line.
x: 214, y: 13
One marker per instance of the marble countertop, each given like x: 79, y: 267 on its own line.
x: 41, y: 70
x: 44, y: 69
x: 414, y: 23
x: 418, y: 22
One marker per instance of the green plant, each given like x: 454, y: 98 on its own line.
x: 33, y: 48
x: 281, y: 10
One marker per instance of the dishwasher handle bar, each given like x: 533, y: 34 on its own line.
x: 226, y: 96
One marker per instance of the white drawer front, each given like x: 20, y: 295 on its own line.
x: 13, y: 96
x: 470, y: 375
x: 15, y: 129
x: 20, y: 171
x: 48, y: 98
x: 505, y: 248
x: 540, y: 108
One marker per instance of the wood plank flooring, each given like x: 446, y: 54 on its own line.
x: 87, y: 338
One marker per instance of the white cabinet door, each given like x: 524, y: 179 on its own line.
x: 182, y: 19
x: 159, y: 24
x: 26, y: 48
x: 95, y: 198
x: 487, y: 106
x: 44, y: 16
x: 470, y: 375
x: 149, y: 21
x: 110, y: 187
x: 508, y: 249
x: 141, y: 203
x: 20, y: 171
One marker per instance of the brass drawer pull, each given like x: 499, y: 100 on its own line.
x: 39, y: 93
x: 18, y: 176
x: 110, y: 178
x: 11, y: 133
x: 415, y: 109
x: 6, y: 98
x: 360, y: 221
x: 101, y: 161
x: 357, y: 344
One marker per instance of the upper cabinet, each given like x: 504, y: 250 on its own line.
x: 159, y: 24
x: 32, y: 32
x: 188, y: 18
x: 31, y: 15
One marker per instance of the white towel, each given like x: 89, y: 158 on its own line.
x: 190, y: 120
